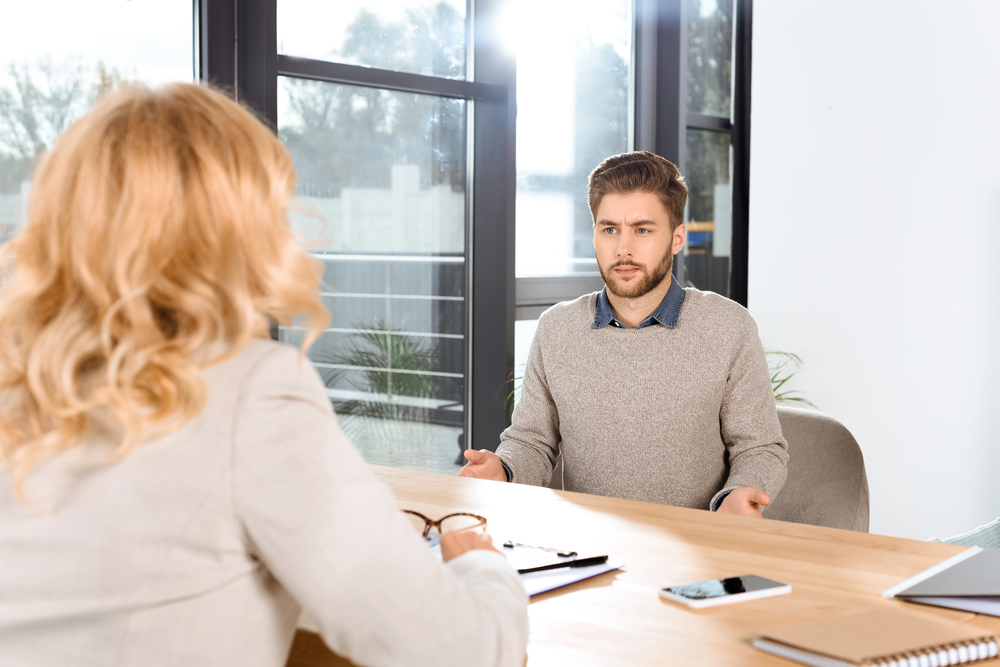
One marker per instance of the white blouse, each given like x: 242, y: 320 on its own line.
x: 202, y: 546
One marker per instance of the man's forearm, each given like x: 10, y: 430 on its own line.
x: 526, y: 463
x: 762, y: 468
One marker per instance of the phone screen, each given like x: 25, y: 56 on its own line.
x: 717, y: 588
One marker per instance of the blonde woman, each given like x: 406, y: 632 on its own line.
x: 173, y: 484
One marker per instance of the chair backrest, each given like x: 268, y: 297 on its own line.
x: 826, y: 484
x: 557, y: 474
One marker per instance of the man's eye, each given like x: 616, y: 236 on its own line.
x: 641, y: 230
x: 609, y: 230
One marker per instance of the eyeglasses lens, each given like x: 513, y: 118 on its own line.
x: 417, y: 522
x: 460, y: 522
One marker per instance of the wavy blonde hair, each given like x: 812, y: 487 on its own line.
x: 157, y: 230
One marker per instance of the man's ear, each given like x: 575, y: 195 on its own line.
x: 680, y: 237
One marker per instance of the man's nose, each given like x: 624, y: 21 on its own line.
x: 624, y: 245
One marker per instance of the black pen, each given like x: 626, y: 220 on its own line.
x: 576, y: 562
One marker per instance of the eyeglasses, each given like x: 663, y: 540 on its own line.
x: 460, y: 521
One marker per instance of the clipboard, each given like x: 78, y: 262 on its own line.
x: 545, y: 580
x: 551, y: 571
x: 548, y: 580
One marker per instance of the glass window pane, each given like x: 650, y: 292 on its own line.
x: 709, y: 211
x: 572, y: 112
x: 710, y: 56
x: 52, y: 73
x: 417, y: 36
x: 524, y: 332
x: 382, y: 201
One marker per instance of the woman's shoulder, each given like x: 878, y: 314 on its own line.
x: 258, y: 356
x: 264, y: 367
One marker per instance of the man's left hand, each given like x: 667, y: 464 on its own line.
x: 745, y: 501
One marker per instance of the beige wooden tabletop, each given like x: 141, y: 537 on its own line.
x: 619, y: 619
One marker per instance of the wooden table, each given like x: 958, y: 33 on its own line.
x: 619, y: 619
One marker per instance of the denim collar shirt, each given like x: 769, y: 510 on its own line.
x: 667, y: 313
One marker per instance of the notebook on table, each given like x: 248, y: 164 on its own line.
x: 888, y: 637
x: 969, y: 581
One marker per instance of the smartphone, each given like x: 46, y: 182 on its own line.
x: 723, y: 591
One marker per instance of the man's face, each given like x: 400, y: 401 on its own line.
x: 634, y: 244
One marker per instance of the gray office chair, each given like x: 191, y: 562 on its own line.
x: 826, y: 484
x: 557, y: 481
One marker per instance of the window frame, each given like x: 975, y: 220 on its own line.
x: 237, y: 46
x: 236, y: 50
x: 660, y: 121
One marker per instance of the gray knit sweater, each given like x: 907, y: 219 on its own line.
x: 674, y: 416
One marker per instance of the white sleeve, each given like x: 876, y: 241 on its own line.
x: 332, y: 535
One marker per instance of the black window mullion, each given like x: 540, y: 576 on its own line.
x: 671, y: 135
x: 216, y: 37
x: 322, y: 70
x: 256, y: 57
x: 490, y: 247
x: 712, y: 123
x: 739, y: 257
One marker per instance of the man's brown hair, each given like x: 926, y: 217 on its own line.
x: 639, y: 171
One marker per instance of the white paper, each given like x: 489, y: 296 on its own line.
x: 547, y: 580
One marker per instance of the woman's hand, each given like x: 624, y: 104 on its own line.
x: 455, y: 543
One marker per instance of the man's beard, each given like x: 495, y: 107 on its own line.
x: 644, y: 283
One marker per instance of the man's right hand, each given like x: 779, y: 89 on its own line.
x: 483, y: 464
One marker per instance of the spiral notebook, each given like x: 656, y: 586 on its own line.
x: 886, y: 636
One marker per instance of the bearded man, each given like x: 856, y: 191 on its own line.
x: 649, y: 390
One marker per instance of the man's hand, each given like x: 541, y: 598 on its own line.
x: 745, y: 501
x: 483, y: 464
x: 455, y: 543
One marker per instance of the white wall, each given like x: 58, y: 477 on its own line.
x: 875, y: 238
